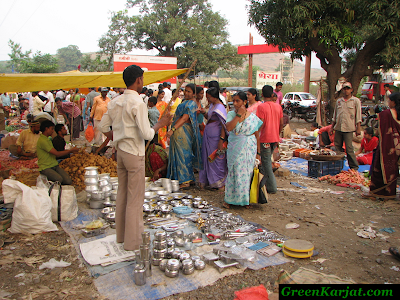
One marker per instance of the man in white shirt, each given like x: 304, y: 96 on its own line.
x: 38, y: 103
x: 168, y: 92
x: 60, y: 94
x: 128, y: 117
x: 49, y: 107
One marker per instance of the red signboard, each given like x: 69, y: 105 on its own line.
x: 255, y: 49
x: 150, y: 63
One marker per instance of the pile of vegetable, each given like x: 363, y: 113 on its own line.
x: 346, y: 177
x: 17, y: 166
x: 75, y: 166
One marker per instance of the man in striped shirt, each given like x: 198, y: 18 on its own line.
x: 69, y: 110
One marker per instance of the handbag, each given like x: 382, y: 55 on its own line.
x: 254, y: 187
x: 64, y: 202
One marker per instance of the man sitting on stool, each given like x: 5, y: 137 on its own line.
x: 46, y: 154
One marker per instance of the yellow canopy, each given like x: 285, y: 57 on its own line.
x: 75, y: 79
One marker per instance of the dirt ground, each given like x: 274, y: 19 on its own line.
x: 327, y: 220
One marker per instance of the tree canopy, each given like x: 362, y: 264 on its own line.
x: 186, y: 29
x: 39, y: 63
x: 68, y: 58
x: 360, y: 35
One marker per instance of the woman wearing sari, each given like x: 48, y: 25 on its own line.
x: 384, y: 169
x: 242, y: 152
x: 156, y: 161
x: 185, y: 141
x: 214, y: 168
x: 161, y: 106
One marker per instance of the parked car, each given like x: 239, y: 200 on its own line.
x: 303, y: 98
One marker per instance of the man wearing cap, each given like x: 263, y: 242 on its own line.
x: 168, y: 92
x: 347, y: 119
x: 25, y: 147
x: 99, y: 108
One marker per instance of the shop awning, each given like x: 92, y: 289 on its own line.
x: 75, y: 79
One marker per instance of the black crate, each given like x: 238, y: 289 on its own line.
x: 321, y: 168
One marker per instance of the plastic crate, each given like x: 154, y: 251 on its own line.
x: 321, y: 168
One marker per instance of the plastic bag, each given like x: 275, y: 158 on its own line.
x: 254, y: 187
x: 89, y: 133
x: 52, y: 263
x: 32, y: 208
x: 252, y: 293
x: 64, y: 203
x: 42, y: 182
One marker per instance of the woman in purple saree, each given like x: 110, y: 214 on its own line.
x: 215, y: 135
x: 384, y: 169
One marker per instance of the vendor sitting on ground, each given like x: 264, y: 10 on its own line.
x: 368, y: 144
x: 156, y: 162
x: 46, y: 154
x: 25, y: 147
x: 314, y: 129
x: 326, y: 139
x: 59, y: 141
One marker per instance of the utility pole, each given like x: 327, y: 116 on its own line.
x: 250, y: 75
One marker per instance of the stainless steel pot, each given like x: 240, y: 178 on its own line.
x: 171, y: 274
x: 91, y: 188
x: 139, y: 274
x: 147, y: 265
x: 156, y: 261
x: 111, y: 216
x: 163, y: 264
x: 91, y: 171
x: 104, y: 176
x: 97, y: 195
x: 144, y: 252
x: 106, y: 188
x: 173, y: 264
x: 114, y: 186
x: 199, y: 264
x: 103, y: 183
x: 159, y: 253
x: 146, y: 238
x: 114, y: 195
x: 159, y: 245
x: 160, y: 235
x: 187, y: 263
x: 91, y: 181
x: 96, y: 204
x: 188, y: 271
x: 184, y: 256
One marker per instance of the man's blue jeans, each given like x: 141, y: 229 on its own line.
x: 266, y: 166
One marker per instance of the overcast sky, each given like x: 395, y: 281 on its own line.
x: 47, y: 25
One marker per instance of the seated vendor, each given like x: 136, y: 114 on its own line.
x: 59, y: 141
x: 326, y: 139
x: 156, y: 162
x: 46, y: 154
x: 368, y: 144
x: 25, y: 147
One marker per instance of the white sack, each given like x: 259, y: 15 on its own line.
x: 32, y: 208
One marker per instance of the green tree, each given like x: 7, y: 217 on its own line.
x: 367, y: 30
x: 17, y: 56
x: 40, y: 63
x: 186, y: 29
x: 68, y: 58
x: 118, y: 39
x: 96, y: 64
x: 22, y: 62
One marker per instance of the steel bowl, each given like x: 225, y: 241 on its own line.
x: 91, y: 181
x: 166, y: 198
x: 91, y: 171
x: 96, y: 204
x: 159, y: 253
x: 148, y: 208
x: 113, y: 195
x: 149, y: 195
x: 111, y: 217
x: 162, y: 193
x: 107, y: 195
x: 188, y: 271
x: 165, y: 208
x: 156, y: 188
x: 184, y: 256
x: 199, y: 264
x: 104, y: 176
x: 103, y: 182
x: 179, y: 242
x: 97, y: 195
x: 163, y: 264
x: 187, y: 263
x: 196, y: 257
x: 91, y: 188
x: 156, y: 261
x: 160, y: 235
x: 105, y: 211
x: 114, y: 185
x: 106, y: 188
x: 173, y: 264
x: 113, y: 179
x: 176, y: 254
x: 110, y: 203
x: 178, y: 195
x: 171, y: 274
x: 158, y: 245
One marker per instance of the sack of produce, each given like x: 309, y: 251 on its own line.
x: 32, y: 208
x: 65, y: 206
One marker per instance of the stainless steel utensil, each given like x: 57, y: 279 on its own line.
x: 95, y: 204
x: 139, y: 275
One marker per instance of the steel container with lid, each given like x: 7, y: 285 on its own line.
x: 139, y: 274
